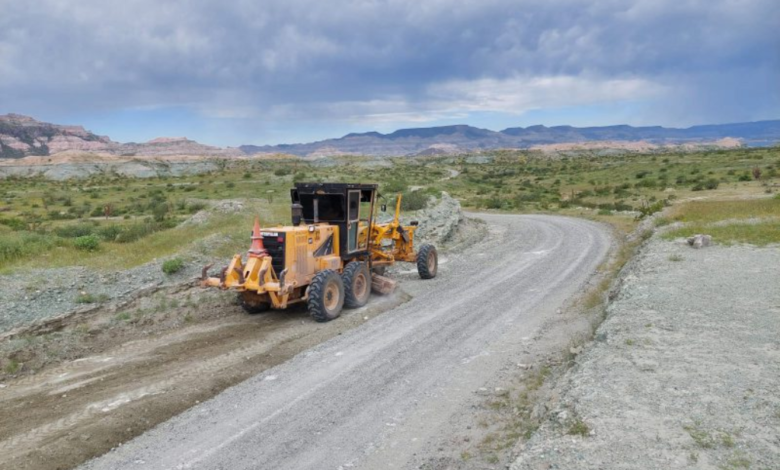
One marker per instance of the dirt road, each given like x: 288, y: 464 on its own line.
x: 379, y: 395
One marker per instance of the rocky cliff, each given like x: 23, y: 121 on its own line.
x: 22, y: 136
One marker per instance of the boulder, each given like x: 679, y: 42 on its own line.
x: 700, y: 241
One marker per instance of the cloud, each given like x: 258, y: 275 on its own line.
x: 519, y: 95
x: 385, y: 60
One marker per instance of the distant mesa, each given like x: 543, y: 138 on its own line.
x: 23, y: 136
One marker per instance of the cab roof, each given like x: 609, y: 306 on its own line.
x: 334, y: 187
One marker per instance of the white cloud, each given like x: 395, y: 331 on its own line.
x: 518, y: 95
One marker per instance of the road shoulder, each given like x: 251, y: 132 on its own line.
x: 683, y: 373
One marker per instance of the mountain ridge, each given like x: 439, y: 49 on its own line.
x: 464, y: 138
x: 23, y: 136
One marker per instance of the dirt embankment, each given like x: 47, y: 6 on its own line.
x: 683, y: 373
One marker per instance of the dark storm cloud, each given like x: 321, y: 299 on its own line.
x: 406, y: 60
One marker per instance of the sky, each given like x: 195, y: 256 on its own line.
x: 266, y: 72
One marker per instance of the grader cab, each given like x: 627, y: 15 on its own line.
x: 330, y: 257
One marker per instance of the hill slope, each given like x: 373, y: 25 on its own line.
x: 460, y: 138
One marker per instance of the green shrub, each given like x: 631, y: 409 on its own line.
x: 133, y: 232
x: 75, y: 231
x: 393, y: 187
x: 413, y: 201
x: 110, y: 232
x: 14, y: 223
x: 172, y: 266
x: 711, y: 183
x: 195, y: 207
x: 87, y: 243
x: 160, y: 210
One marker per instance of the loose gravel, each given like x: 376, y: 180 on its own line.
x: 684, y: 372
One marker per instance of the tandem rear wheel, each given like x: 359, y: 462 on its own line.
x: 326, y: 296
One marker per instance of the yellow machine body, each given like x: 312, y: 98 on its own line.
x: 284, y: 260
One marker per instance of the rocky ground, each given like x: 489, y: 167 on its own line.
x: 683, y: 373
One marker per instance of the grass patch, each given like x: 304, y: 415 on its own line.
x: 760, y: 234
x: 87, y: 298
x: 727, y: 221
x: 714, y: 211
x: 579, y: 428
x: 736, y: 461
x: 700, y: 436
x: 675, y: 258
x: 12, y: 366
x: 16, y: 246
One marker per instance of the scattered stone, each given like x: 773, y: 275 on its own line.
x: 700, y: 241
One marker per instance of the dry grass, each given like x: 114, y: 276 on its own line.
x: 753, y: 221
x: 714, y: 211
x: 761, y: 234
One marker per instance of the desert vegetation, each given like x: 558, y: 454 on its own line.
x: 112, y: 219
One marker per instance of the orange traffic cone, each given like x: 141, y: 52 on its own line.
x: 257, y: 249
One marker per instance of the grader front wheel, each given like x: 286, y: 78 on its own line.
x: 427, y: 262
x: 326, y: 296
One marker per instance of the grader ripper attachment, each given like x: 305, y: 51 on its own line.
x: 331, y: 257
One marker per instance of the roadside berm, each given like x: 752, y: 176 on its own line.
x: 683, y: 373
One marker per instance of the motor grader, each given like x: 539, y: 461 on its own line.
x: 331, y: 256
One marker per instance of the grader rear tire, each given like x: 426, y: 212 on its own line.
x: 326, y: 296
x: 357, y: 284
x: 427, y: 262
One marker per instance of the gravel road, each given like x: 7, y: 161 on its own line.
x: 380, y: 393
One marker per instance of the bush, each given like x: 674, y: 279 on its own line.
x: 110, y: 233
x: 393, y: 187
x: 87, y: 243
x: 172, y: 266
x: 160, y: 210
x: 414, y: 200
x: 131, y: 233
x: 14, y: 223
x: 195, y: 207
x: 652, y: 208
x: 75, y: 231
x: 711, y: 183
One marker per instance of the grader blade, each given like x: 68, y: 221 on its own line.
x: 382, y: 285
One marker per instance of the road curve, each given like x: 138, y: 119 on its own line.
x: 372, y: 397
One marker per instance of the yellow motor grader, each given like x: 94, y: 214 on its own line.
x: 330, y: 257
